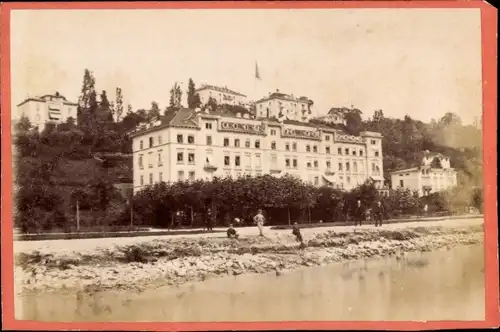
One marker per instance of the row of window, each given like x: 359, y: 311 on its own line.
x: 180, y: 177
x: 191, y: 140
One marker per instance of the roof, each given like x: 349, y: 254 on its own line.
x: 42, y: 100
x: 413, y: 169
x: 220, y: 89
x: 182, y: 118
x: 283, y: 96
x: 341, y: 110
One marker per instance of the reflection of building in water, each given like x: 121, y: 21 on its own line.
x: 433, y: 175
x: 281, y: 105
x: 189, y: 145
x: 222, y: 95
x: 46, y: 109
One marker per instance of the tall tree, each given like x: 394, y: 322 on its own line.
x: 354, y: 123
x: 154, y: 112
x: 175, y: 97
x: 193, y: 99
x: 104, y: 100
x: 88, y: 87
x: 119, y: 104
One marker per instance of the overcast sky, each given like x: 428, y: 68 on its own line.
x: 420, y: 62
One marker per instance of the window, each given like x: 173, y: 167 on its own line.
x: 340, y: 166
x: 247, y: 143
x: 141, y: 145
x: 257, y: 144
x: 273, y: 131
x: 360, y: 152
x: 315, y: 164
x: 161, y: 177
x: 339, y: 151
x: 295, y: 163
x: 179, y: 139
x: 327, y: 137
x: 208, y: 125
x: 273, y: 145
x: 209, y: 140
x: 401, y: 183
x: 347, y: 167
x: 316, y: 180
x: 159, y: 140
x: 141, y: 165
x: 274, y: 161
x: 347, y: 151
x: 376, y: 153
x: 247, y: 161
x: 327, y: 149
x: 294, y: 146
x: 191, y: 139
x: 355, y: 166
x: 150, y: 160
x: 308, y: 164
x: 151, y: 143
x: 150, y: 178
x: 374, y: 142
x: 180, y: 175
x: 308, y: 148
x: 142, y: 180
x: 315, y: 148
x: 237, y: 143
x: 287, y: 147
x: 353, y: 152
x: 348, y: 179
x: 191, y: 158
x: 237, y: 161
x: 226, y: 141
x: 227, y: 161
x: 373, y: 167
x: 257, y: 161
x: 191, y: 176
x: 160, y: 161
x: 328, y: 164
x: 287, y: 163
x: 180, y: 157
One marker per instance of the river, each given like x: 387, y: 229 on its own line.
x: 446, y: 284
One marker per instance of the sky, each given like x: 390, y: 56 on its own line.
x: 417, y: 62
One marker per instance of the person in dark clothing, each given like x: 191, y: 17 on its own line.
x: 208, y: 220
x: 296, y: 232
x: 231, y: 232
x: 358, y: 214
x: 378, y: 213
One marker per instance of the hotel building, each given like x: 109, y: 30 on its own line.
x: 281, y: 105
x: 187, y: 145
x: 434, y: 174
x: 46, y: 109
x: 222, y: 95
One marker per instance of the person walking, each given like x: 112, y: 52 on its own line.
x: 208, y: 220
x: 259, y: 220
x: 358, y: 214
x: 379, y: 212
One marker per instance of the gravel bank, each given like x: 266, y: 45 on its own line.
x: 172, y: 261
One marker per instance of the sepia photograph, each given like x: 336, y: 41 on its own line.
x: 247, y: 164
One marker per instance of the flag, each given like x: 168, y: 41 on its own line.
x: 257, y: 75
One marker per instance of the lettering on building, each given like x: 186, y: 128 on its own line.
x: 299, y: 133
x: 257, y: 129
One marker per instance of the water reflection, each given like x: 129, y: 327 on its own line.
x: 442, y: 285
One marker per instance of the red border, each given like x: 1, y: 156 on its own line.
x: 489, y: 47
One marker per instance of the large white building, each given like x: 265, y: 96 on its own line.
x: 281, y: 105
x: 187, y: 145
x: 222, y: 95
x: 46, y: 109
x: 435, y: 174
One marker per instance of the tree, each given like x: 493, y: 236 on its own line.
x: 212, y: 104
x: 119, y: 104
x: 23, y: 125
x: 104, y: 100
x: 378, y: 116
x: 354, y: 122
x: 154, y: 112
x: 175, y: 97
x: 88, y: 86
x: 193, y: 99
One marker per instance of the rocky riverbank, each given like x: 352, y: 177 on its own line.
x: 178, y: 260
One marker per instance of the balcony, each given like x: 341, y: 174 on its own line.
x: 210, y: 168
x: 275, y: 170
x: 329, y: 172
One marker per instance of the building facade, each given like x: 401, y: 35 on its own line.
x: 46, y: 109
x: 222, y: 95
x: 281, y: 105
x: 433, y: 175
x: 187, y: 146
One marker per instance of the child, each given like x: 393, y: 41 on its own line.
x: 231, y: 232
